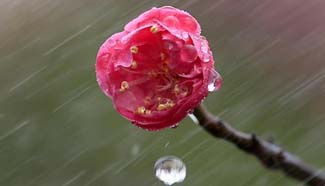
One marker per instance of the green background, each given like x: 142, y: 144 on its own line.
x: 58, y: 129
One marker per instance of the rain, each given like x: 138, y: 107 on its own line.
x: 58, y: 129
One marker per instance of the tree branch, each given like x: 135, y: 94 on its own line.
x: 271, y: 155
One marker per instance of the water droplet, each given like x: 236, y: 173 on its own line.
x: 135, y: 150
x: 205, y: 51
x: 170, y: 170
x: 206, y: 58
x: 215, y: 81
x: 185, y: 35
x: 171, y: 21
x: 188, y: 53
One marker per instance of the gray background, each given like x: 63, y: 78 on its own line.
x: 58, y: 129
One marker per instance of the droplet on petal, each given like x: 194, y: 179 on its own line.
x: 188, y: 53
x: 170, y: 170
x: 206, y: 58
x: 205, y: 51
x: 185, y: 35
x: 171, y: 21
x: 190, y: 24
x: 215, y: 81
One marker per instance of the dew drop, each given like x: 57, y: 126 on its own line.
x: 188, y: 53
x: 206, y: 58
x: 170, y: 170
x: 215, y: 81
x: 190, y: 24
x: 171, y: 21
x: 135, y: 150
x: 185, y: 35
x: 205, y: 51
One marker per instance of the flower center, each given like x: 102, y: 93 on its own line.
x: 151, y: 77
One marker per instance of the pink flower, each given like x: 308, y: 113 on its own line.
x: 158, y: 69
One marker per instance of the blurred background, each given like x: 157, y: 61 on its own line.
x: 58, y: 129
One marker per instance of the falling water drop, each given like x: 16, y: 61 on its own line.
x: 215, y: 81
x: 170, y: 170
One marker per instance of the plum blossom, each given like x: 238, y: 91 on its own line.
x: 158, y: 69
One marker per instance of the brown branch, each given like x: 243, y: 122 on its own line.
x: 271, y: 155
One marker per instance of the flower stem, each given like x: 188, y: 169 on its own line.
x: 270, y: 155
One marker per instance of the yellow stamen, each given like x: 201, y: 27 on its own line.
x: 164, y: 106
x: 134, y: 64
x: 154, y: 29
x: 124, y: 86
x: 142, y: 110
x: 134, y: 49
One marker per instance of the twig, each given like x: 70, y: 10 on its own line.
x: 271, y: 155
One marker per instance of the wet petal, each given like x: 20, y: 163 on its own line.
x: 158, y: 69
